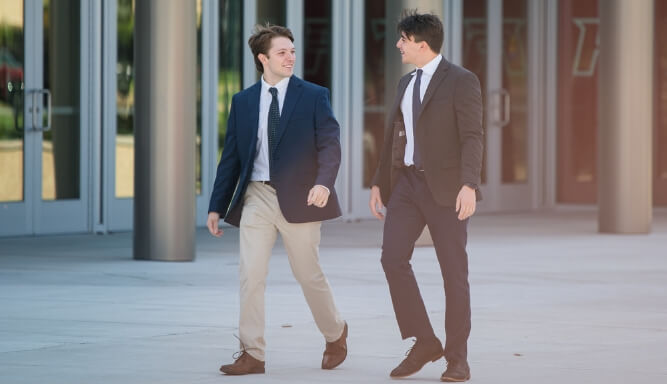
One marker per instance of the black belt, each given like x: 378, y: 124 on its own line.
x: 413, y: 168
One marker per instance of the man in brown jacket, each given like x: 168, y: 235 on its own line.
x: 428, y: 174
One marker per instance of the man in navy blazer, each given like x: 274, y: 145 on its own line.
x: 276, y: 175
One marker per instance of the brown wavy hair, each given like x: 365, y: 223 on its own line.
x: 260, y: 41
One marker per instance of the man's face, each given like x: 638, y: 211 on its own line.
x: 279, y: 63
x: 410, y: 50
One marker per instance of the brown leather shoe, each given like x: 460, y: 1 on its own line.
x: 336, y: 352
x: 244, y: 365
x: 457, y: 371
x: 419, y: 355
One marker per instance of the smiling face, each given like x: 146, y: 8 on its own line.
x: 411, y: 51
x: 279, y: 62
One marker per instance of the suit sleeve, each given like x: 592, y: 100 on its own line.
x: 383, y: 172
x: 382, y: 177
x: 229, y: 168
x: 327, y: 141
x: 468, y: 105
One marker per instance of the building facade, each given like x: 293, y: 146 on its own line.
x: 67, y: 98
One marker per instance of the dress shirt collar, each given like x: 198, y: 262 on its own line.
x: 430, y: 67
x: 281, y: 86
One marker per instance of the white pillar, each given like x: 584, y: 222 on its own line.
x: 625, y: 116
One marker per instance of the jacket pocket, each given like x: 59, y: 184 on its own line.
x: 398, y: 145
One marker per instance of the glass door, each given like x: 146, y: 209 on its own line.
x: 14, y: 184
x: 495, y: 47
x: 44, y: 176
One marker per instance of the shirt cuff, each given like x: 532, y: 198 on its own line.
x: 323, y: 186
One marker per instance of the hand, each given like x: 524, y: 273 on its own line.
x: 375, y: 202
x: 318, y: 196
x: 212, y: 224
x: 466, y: 202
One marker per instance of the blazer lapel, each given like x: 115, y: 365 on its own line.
x: 253, y: 110
x: 438, y: 76
x: 294, y: 90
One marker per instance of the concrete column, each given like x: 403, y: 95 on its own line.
x: 165, y: 49
x: 625, y: 118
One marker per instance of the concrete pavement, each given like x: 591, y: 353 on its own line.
x: 553, y: 301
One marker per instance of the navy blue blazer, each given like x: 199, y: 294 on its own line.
x: 307, y: 153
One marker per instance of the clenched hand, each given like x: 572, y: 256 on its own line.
x: 318, y: 196
x: 375, y: 202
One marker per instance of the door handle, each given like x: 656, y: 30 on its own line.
x: 36, y: 111
x: 501, y: 108
x: 505, y: 94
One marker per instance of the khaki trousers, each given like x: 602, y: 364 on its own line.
x: 261, y: 221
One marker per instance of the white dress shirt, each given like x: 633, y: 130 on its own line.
x: 260, y: 170
x: 406, y: 105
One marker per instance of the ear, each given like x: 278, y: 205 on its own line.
x: 263, y: 58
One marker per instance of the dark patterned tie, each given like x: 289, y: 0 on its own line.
x: 274, y: 120
x: 416, y: 110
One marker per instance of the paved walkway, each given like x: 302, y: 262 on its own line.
x: 553, y: 301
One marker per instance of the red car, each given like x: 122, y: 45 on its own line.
x: 11, y: 74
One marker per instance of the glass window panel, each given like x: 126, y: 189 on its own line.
x: 272, y: 11
x: 125, y: 100
x: 61, y: 145
x: 514, y: 146
x: 577, y: 101
x: 230, y: 62
x: 317, y: 42
x: 374, y: 85
x: 475, y: 44
x: 11, y: 101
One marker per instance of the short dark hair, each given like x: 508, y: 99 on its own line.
x: 424, y: 27
x: 260, y: 40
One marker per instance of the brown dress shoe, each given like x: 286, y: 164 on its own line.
x: 336, y: 352
x: 422, y: 352
x: 457, y: 371
x: 244, y: 365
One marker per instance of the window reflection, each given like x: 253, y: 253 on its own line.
x: 230, y: 62
x: 272, y: 11
x: 61, y: 145
x: 374, y: 82
x: 577, y: 101
x: 11, y: 101
x: 475, y: 43
x: 514, y: 163
x: 317, y: 42
x: 125, y: 100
